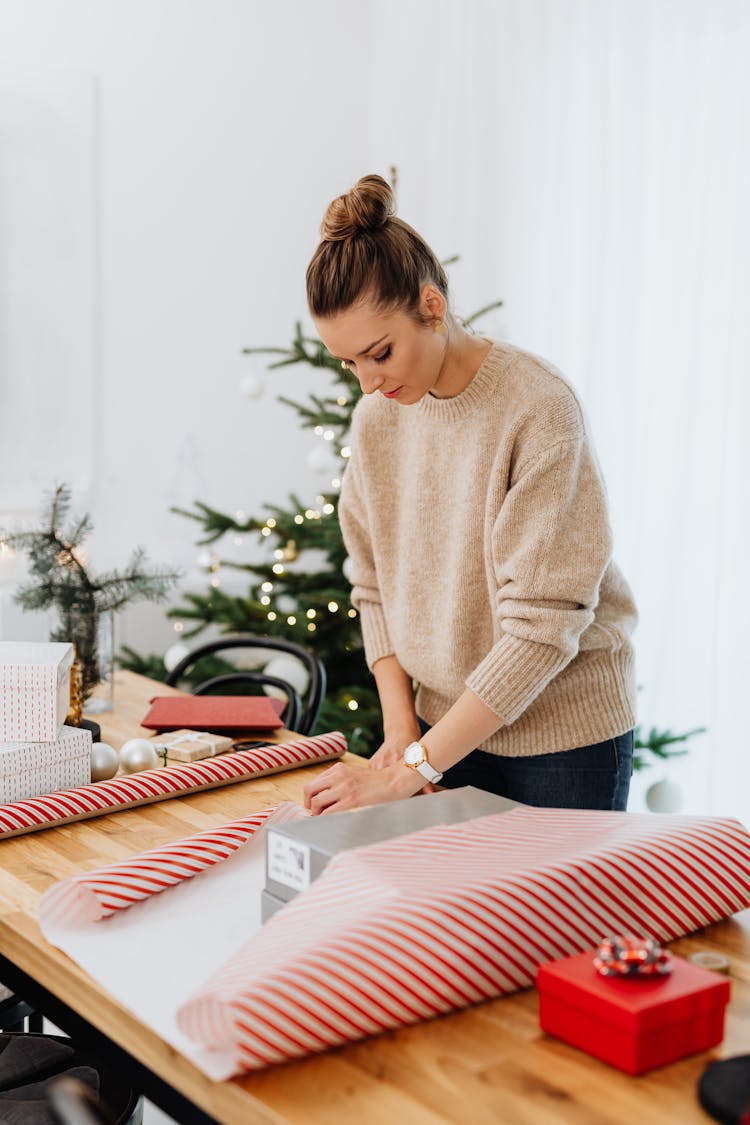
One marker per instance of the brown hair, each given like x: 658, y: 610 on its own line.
x: 365, y: 250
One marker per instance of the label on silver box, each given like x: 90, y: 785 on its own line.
x: 288, y: 862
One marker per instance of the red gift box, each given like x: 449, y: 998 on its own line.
x: 635, y: 1023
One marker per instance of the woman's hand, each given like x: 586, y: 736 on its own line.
x: 350, y: 787
x: 393, y: 745
x: 392, y: 751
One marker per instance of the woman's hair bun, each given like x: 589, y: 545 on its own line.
x: 366, y: 207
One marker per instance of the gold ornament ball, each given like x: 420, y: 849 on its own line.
x: 104, y: 761
x: 138, y: 754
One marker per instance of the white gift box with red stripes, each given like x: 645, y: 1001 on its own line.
x: 34, y: 690
x: 411, y: 928
x: 32, y: 769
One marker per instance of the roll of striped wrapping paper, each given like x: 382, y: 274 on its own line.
x: 97, y: 894
x: 103, y: 797
x: 402, y: 931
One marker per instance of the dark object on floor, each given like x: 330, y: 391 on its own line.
x: 724, y: 1090
x: 30, y: 1065
x: 14, y: 1012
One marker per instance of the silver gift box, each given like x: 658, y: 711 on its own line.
x: 298, y: 851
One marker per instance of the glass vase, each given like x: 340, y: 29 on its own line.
x: 103, y: 698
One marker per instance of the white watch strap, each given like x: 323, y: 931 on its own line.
x: 429, y: 772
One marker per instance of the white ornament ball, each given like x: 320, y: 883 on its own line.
x: 251, y: 386
x: 138, y: 754
x: 286, y: 604
x: 346, y: 569
x: 104, y: 761
x: 664, y: 797
x: 289, y: 668
x: 174, y: 654
x: 322, y: 460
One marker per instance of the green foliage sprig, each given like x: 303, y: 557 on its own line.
x: 61, y: 579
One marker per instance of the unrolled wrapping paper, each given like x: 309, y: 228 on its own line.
x: 159, y: 784
x: 408, y: 929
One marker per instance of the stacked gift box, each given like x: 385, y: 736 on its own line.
x: 38, y: 753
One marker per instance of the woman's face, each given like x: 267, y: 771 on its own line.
x: 390, y: 353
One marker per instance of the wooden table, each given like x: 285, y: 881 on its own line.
x: 483, y: 1066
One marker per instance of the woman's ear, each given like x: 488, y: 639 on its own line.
x: 432, y: 303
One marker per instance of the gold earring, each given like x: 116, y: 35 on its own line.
x: 438, y: 325
x: 344, y: 366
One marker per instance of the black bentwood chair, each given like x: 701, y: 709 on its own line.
x: 299, y: 715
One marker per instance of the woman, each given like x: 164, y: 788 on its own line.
x: 475, y: 516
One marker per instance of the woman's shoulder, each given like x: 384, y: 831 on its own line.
x: 534, y: 393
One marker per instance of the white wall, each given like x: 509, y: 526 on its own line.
x: 221, y: 129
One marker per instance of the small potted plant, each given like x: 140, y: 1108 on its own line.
x: 60, y: 578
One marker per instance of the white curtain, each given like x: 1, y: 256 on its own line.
x: 590, y: 160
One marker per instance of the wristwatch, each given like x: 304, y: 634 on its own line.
x: 415, y: 757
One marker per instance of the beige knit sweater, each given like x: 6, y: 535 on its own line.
x: 481, y: 556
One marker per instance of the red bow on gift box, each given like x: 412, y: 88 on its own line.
x: 630, y: 956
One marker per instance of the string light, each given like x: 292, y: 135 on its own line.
x: 333, y: 606
x: 271, y: 616
x: 216, y: 582
x: 353, y: 705
x: 311, y: 627
x: 342, y: 401
x: 299, y: 519
x: 240, y: 516
x: 352, y: 613
x: 346, y: 451
x: 336, y: 482
x: 328, y: 508
x: 318, y: 430
x: 328, y: 435
x: 291, y: 620
x: 265, y: 531
x: 311, y: 613
x: 178, y: 626
x: 320, y: 499
x: 278, y: 553
x: 265, y: 600
x: 267, y: 587
x: 278, y: 568
x: 271, y: 522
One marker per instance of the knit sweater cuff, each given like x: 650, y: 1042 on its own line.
x: 375, y: 634
x: 513, y: 673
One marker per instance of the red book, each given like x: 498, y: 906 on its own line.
x: 634, y: 1023
x: 216, y: 713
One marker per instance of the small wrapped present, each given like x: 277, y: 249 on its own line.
x: 192, y: 745
x: 31, y: 769
x: 34, y: 690
x: 634, y: 1020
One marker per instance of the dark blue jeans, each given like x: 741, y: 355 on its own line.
x: 589, y: 777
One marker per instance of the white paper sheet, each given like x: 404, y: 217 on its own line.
x: 152, y: 956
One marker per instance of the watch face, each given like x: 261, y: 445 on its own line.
x: 414, y: 754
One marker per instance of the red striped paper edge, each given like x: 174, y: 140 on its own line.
x: 97, y: 894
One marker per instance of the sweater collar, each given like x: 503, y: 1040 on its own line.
x: 472, y: 396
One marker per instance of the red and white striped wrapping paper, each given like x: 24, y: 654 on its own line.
x: 170, y: 781
x: 408, y: 929
x: 97, y: 894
